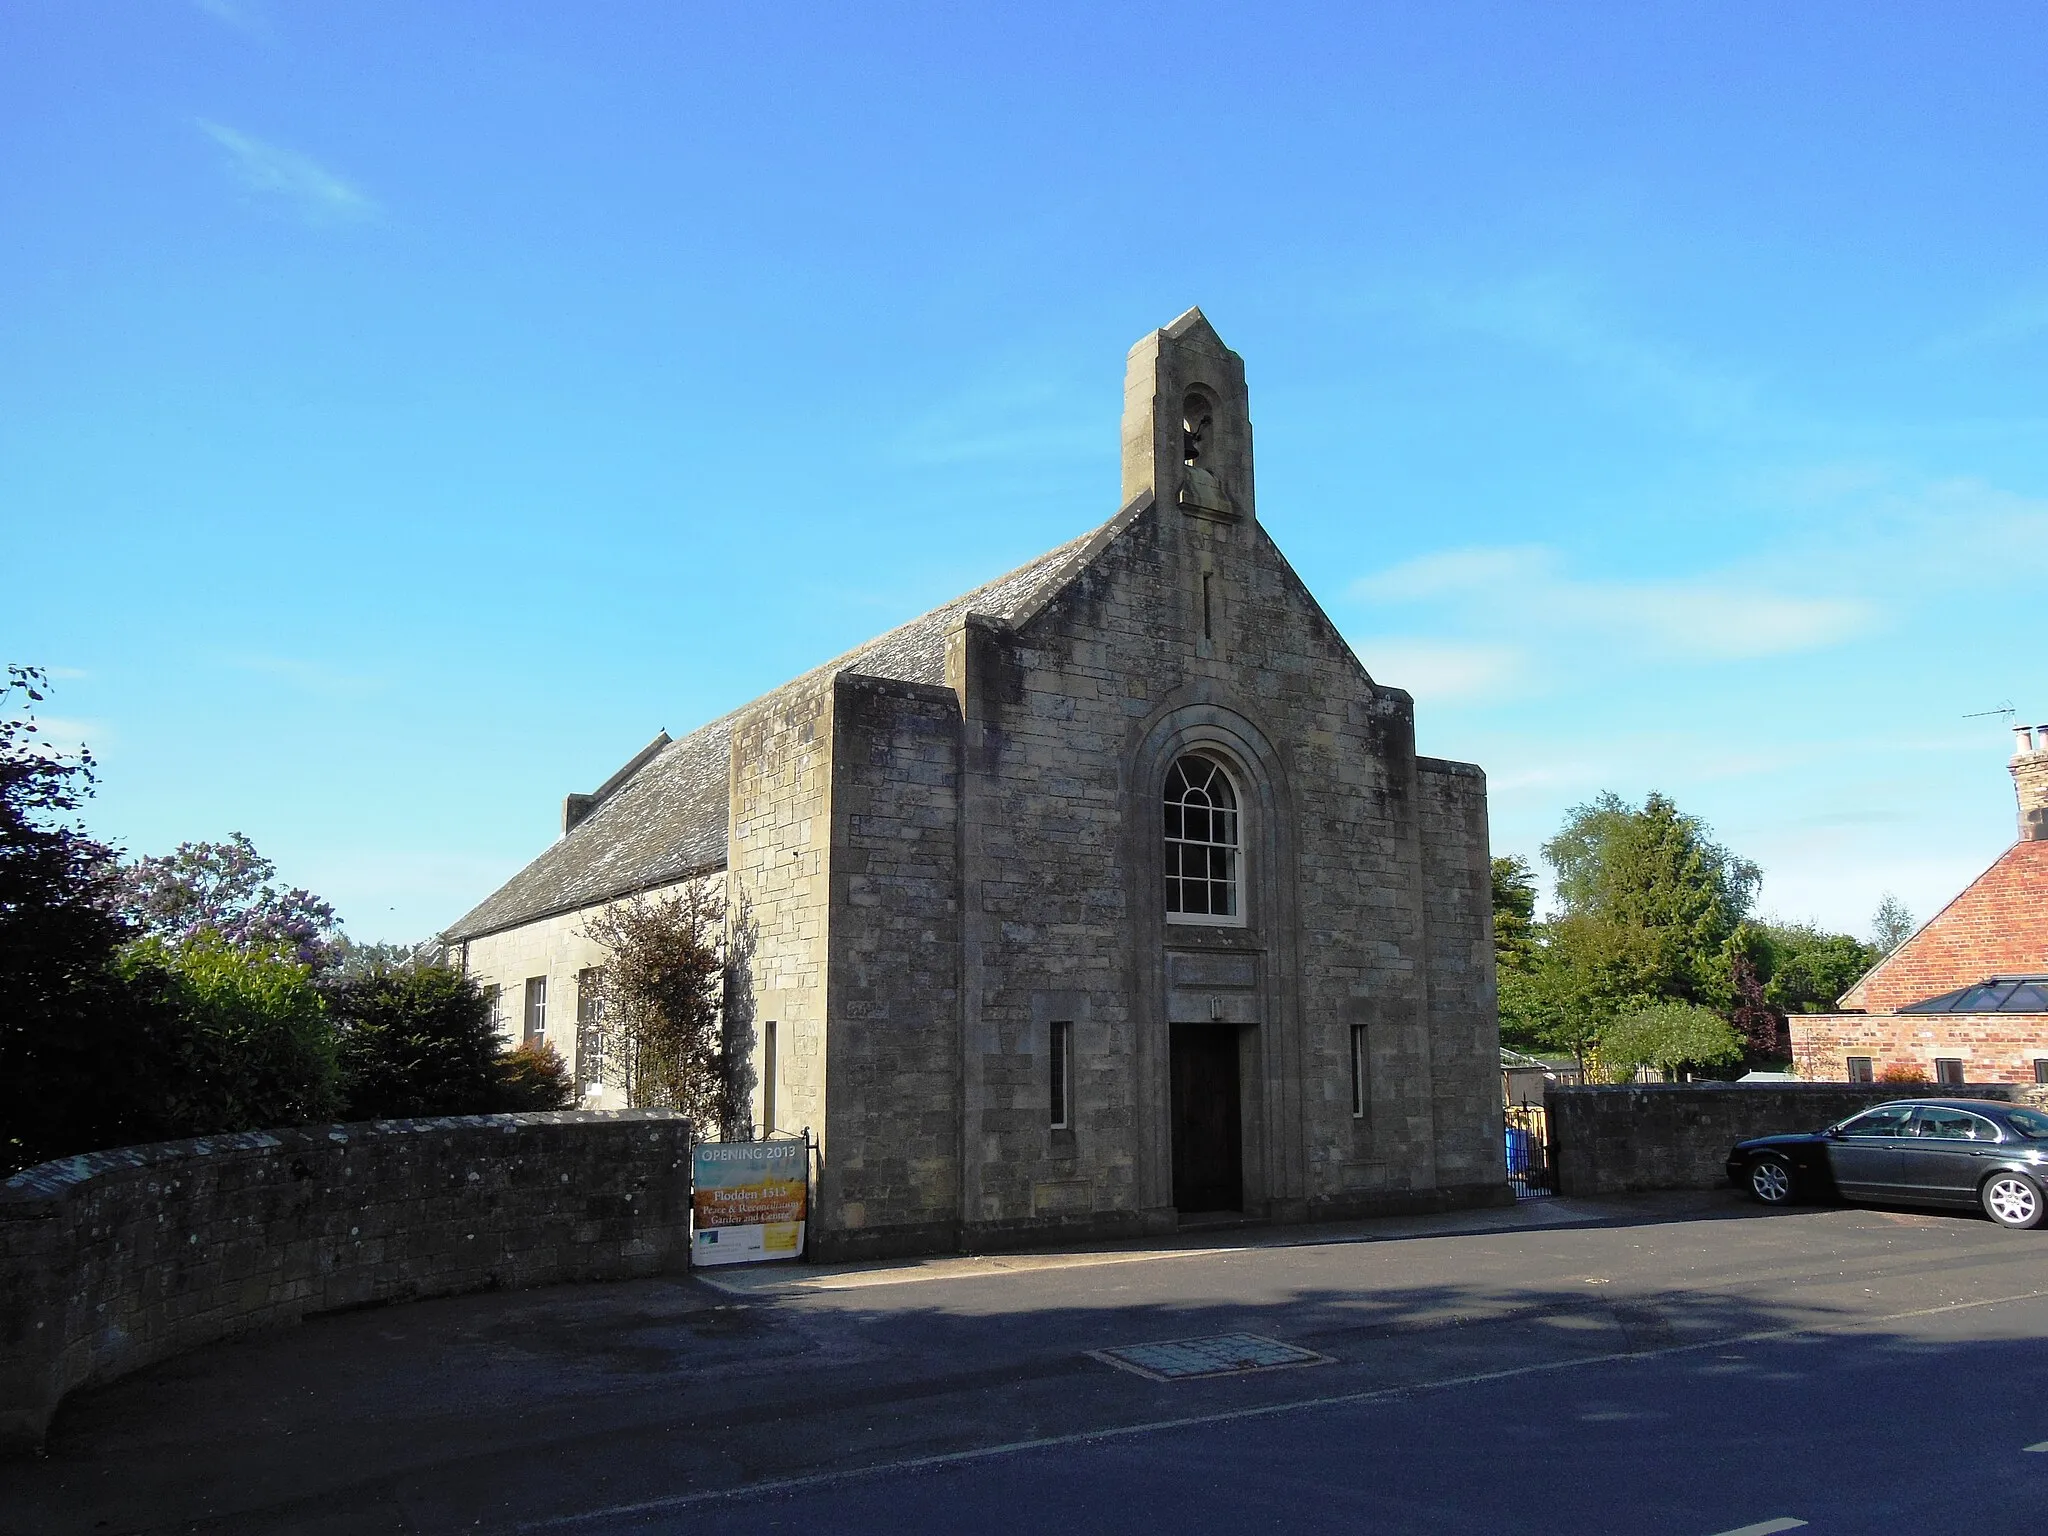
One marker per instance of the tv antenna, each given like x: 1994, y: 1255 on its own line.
x: 2004, y: 709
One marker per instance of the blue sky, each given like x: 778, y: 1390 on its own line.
x: 406, y: 410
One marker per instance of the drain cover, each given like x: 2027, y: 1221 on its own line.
x: 1226, y: 1354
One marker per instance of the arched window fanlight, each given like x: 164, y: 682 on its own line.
x: 1202, y: 831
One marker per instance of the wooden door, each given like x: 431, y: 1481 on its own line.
x: 1208, y: 1165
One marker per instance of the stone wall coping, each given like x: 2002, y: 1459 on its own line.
x: 39, y: 1191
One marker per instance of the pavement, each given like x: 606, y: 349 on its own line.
x: 1683, y: 1364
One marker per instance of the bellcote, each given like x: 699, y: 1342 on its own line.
x: 1187, y: 422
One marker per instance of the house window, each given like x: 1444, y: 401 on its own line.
x: 1860, y: 1070
x: 768, y: 1074
x: 589, y: 1036
x: 494, y: 1006
x: 1358, y: 1071
x: 1062, y: 1086
x: 1202, y: 828
x: 536, y: 1009
x: 2041, y: 1069
x: 1949, y: 1071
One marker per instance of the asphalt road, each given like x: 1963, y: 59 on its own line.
x: 1684, y: 1366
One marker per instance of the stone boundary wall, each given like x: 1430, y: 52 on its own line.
x: 114, y: 1260
x: 1610, y: 1140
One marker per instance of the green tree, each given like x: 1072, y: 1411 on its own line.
x: 1891, y: 925
x: 1671, y: 1037
x: 1516, y: 952
x: 257, y: 1048
x: 415, y: 1041
x: 1809, y: 969
x: 1654, y: 874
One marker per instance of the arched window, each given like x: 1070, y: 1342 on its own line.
x: 1202, y: 833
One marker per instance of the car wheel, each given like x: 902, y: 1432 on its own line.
x: 1770, y: 1180
x: 2013, y: 1200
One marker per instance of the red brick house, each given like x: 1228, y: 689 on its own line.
x: 1966, y: 998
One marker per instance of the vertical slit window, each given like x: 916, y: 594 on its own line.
x: 768, y: 1076
x: 1358, y: 1071
x: 1202, y: 830
x: 1208, y: 622
x: 1061, y: 1058
x: 494, y: 1006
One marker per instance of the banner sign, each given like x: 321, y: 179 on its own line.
x: 747, y: 1200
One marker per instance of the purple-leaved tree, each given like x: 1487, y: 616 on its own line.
x: 227, y: 888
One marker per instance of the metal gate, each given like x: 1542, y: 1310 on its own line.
x: 1532, y: 1171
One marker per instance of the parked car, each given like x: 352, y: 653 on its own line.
x: 1953, y: 1152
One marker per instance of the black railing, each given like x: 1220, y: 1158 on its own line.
x: 1531, y: 1169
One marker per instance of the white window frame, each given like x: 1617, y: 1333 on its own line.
x: 536, y: 1010
x: 1236, y: 849
x: 1962, y: 1071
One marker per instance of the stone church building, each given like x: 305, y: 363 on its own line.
x: 1109, y: 894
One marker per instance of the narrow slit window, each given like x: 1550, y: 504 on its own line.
x: 768, y: 1076
x: 1208, y: 620
x: 536, y: 1009
x: 1860, y: 1070
x: 1202, y: 831
x: 494, y: 1006
x: 1061, y: 1060
x: 1358, y: 1071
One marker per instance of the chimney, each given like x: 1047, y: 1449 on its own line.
x: 2030, y: 780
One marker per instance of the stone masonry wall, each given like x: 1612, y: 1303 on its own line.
x: 1463, y: 1006
x: 778, y: 886
x: 1993, y: 1047
x: 1186, y: 617
x: 114, y: 1260
x: 893, y: 1179
x: 1610, y: 1140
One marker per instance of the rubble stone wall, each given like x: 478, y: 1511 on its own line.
x: 114, y: 1260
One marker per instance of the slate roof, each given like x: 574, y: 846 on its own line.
x: 668, y: 821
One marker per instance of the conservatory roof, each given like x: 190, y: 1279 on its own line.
x: 2000, y: 994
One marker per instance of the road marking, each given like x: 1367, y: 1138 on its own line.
x: 2043, y: 1446
x: 675, y: 1501
x: 1766, y: 1527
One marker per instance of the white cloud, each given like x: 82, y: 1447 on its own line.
x: 1548, y: 312
x: 311, y: 677
x: 1713, y: 618
x: 242, y: 15
x: 1443, y: 671
x: 316, y: 193
x: 2017, y: 321
x: 1017, y: 417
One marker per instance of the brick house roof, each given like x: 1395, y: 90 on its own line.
x: 1998, y: 926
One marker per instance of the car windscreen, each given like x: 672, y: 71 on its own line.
x: 2030, y: 1123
